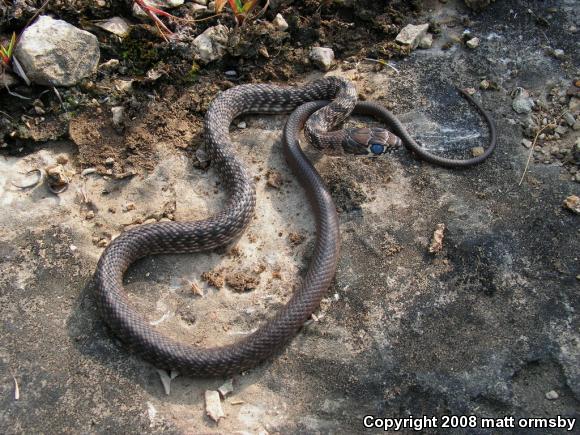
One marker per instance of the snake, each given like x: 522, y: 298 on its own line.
x: 318, y: 107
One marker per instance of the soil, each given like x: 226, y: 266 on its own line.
x: 486, y: 324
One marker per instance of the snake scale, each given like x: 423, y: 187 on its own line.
x: 318, y: 116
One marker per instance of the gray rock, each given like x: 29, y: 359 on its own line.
x: 323, y: 57
x: 55, y: 53
x: 527, y: 143
x: 211, y: 44
x: 569, y: 118
x: 280, y: 23
x: 558, y: 53
x: 411, y: 34
x: 552, y: 395
x: 574, y: 105
x: 522, y: 102
x: 426, y: 41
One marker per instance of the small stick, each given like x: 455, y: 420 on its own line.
x: 382, y: 62
x: 556, y: 121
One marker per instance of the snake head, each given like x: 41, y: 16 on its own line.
x: 369, y: 141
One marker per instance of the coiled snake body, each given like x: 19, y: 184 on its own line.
x: 225, y: 226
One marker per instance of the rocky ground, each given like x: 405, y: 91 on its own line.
x: 486, y: 325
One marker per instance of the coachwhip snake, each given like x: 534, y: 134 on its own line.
x: 225, y: 226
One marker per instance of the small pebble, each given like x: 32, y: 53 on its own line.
x: 110, y: 161
x: 242, y: 124
x: 473, y: 43
x: 280, y: 23
x: 552, y: 395
x: 213, y: 405
x: 558, y: 53
x: 477, y: 151
x: 226, y: 388
x: 527, y: 143
x: 90, y: 215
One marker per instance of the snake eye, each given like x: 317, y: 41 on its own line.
x: 377, y: 148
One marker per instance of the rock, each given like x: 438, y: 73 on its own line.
x: 473, y: 43
x: 527, y: 143
x: 576, y: 126
x: 552, y: 395
x: 426, y: 41
x: 211, y: 44
x: 197, y: 9
x: 110, y: 65
x: 561, y: 130
x: 437, y: 240
x: 118, y: 115
x: 55, y: 53
x: 159, y: 4
x: 572, y: 203
x: 574, y: 105
x: 558, y: 53
x: 227, y: 388
x: 213, y: 405
x: 116, y: 25
x: 323, y: 57
x: 569, y: 118
x: 522, y: 102
x: 411, y: 34
x: 242, y: 124
x: 477, y: 151
x: 7, y: 79
x: 280, y: 23
x: 201, y: 2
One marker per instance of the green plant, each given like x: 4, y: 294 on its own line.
x: 6, y: 52
x: 241, y: 8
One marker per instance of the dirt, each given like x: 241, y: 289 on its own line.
x: 485, y: 325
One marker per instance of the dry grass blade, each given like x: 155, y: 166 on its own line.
x: 538, y: 134
x: 219, y: 5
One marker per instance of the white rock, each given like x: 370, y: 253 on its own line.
x: 211, y: 44
x: 159, y: 4
x: 118, y: 115
x: 558, y: 53
x: 323, y: 57
x: 426, y: 41
x: 198, y: 9
x: 55, y: 53
x: 552, y: 395
x: 213, y: 405
x: 473, y: 43
x: 411, y: 35
x: 280, y: 23
x: 116, y: 25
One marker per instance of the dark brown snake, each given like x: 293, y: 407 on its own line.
x: 228, y: 224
